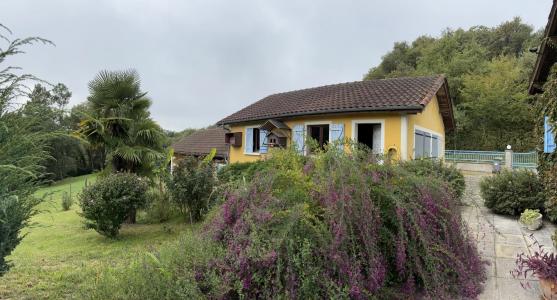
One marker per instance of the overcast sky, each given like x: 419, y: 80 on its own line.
x: 203, y: 60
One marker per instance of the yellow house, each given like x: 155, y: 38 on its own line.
x: 405, y: 117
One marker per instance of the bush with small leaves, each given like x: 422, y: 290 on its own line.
x: 107, y: 202
x: 191, y: 187
x: 160, y: 208
x: 440, y: 170
x: 67, y: 201
x: 241, y: 171
x: 511, y: 192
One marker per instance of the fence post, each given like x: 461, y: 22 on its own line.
x: 509, y: 158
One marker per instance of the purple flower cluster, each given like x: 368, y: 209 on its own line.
x: 347, y: 230
x: 542, y: 264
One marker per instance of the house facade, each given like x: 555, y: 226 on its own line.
x: 401, y: 117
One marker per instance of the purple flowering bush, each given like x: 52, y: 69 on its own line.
x: 541, y: 264
x: 343, y: 226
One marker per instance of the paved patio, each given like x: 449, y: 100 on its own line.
x: 500, y: 239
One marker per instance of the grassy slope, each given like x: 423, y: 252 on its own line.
x: 58, y: 256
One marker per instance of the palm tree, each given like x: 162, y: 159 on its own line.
x: 119, y: 122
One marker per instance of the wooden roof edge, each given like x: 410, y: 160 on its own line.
x: 537, y: 79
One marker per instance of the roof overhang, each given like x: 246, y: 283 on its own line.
x: 547, y: 54
x: 446, y: 106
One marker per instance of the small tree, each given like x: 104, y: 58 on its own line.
x: 191, y: 186
x: 107, y: 202
x: 23, y: 150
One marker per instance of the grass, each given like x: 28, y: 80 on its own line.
x: 58, y: 257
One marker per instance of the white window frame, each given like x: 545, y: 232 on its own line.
x: 246, y: 138
x: 440, y: 146
x: 306, y: 128
x: 369, y: 121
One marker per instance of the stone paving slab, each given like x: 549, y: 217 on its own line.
x: 500, y: 239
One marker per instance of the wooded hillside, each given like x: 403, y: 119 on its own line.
x: 488, y: 69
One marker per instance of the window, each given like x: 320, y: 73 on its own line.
x: 253, y: 140
x: 426, y: 145
x: 319, y: 133
x: 256, y: 140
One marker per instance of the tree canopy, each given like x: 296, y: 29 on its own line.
x: 488, y: 71
x: 119, y: 121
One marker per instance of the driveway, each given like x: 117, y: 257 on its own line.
x: 500, y: 239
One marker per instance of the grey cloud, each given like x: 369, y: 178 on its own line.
x: 202, y: 60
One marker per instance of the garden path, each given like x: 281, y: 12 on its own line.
x: 500, y: 239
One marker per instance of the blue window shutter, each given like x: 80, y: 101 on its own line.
x: 549, y: 137
x: 263, y: 144
x: 427, y: 144
x: 298, y: 137
x: 418, y: 144
x: 435, y: 146
x: 337, y: 134
x: 249, y: 140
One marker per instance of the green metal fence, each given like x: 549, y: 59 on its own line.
x: 528, y: 160
x: 474, y: 156
x: 525, y: 160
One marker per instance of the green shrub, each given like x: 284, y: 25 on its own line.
x: 15, y: 213
x: 241, y: 171
x: 67, y: 201
x: 191, y: 187
x: 160, y: 208
x: 107, y: 202
x: 437, y: 169
x: 511, y: 192
x: 174, y: 272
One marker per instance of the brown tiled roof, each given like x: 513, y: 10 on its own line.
x: 394, y: 94
x: 201, y: 142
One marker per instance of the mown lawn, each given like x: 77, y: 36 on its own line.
x: 59, y: 258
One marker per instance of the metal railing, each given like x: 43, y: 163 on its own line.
x: 474, y: 156
x: 527, y: 160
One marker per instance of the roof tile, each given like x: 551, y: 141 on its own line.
x: 202, y: 141
x: 406, y: 93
